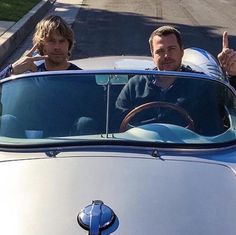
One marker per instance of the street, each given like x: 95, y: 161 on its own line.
x: 111, y: 27
x: 123, y: 27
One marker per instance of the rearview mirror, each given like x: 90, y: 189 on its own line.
x: 114, y: 79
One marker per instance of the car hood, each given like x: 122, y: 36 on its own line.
x: 168, y: 195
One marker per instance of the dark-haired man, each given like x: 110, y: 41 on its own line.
x: 167, y: 52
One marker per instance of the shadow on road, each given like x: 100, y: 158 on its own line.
x: 103, y: 33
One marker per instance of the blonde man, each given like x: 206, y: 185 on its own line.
x: 54, y: 38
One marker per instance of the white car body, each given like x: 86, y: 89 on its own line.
x: 135, y: 183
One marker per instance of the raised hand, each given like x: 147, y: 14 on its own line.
x: 227, y: 57
x: 26, y: 63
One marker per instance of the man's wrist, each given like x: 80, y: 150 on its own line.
x: 6, y: 72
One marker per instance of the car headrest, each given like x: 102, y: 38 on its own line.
x: 201, y: 60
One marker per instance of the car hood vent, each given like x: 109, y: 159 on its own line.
x: 97, y: 217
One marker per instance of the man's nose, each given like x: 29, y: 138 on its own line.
x: 56, y: 45
x: 166, y: 53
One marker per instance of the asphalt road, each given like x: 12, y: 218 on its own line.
x: 122, y: 27
x: 112, y: 27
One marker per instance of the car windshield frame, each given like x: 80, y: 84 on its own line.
x: 145, y: 135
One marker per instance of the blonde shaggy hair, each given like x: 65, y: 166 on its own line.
x: 47, y: 26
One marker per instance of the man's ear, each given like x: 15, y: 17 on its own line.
x: 153, y: 60
x: 152, y: 54
x: 182, y: 49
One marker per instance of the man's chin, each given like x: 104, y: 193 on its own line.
x: 56, y: 60
x: 170, y: 68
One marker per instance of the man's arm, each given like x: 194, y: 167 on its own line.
x: 227, y: 57
x: 26, y: 63
x: 123, y: 100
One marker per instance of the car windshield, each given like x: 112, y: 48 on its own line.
x: 133, y: 106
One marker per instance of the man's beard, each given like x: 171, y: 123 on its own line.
x: 56, y: 61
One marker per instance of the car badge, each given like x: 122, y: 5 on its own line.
x: 96, y: 217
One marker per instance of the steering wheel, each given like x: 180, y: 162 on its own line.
x: 157, y: 104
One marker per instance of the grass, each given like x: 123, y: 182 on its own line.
x: 13, y: 10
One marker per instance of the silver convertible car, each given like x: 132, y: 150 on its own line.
x: 86, y: 152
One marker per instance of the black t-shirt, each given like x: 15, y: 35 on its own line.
x: 232, y: 81
x: 72, y: 66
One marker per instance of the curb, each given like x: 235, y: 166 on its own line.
x: 17, y: 33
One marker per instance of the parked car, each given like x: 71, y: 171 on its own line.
x: 72, y: 163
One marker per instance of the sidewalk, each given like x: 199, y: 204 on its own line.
x: 13, y: 34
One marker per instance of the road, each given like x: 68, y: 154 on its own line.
x: 108, y: 27
x: 122, y: 27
